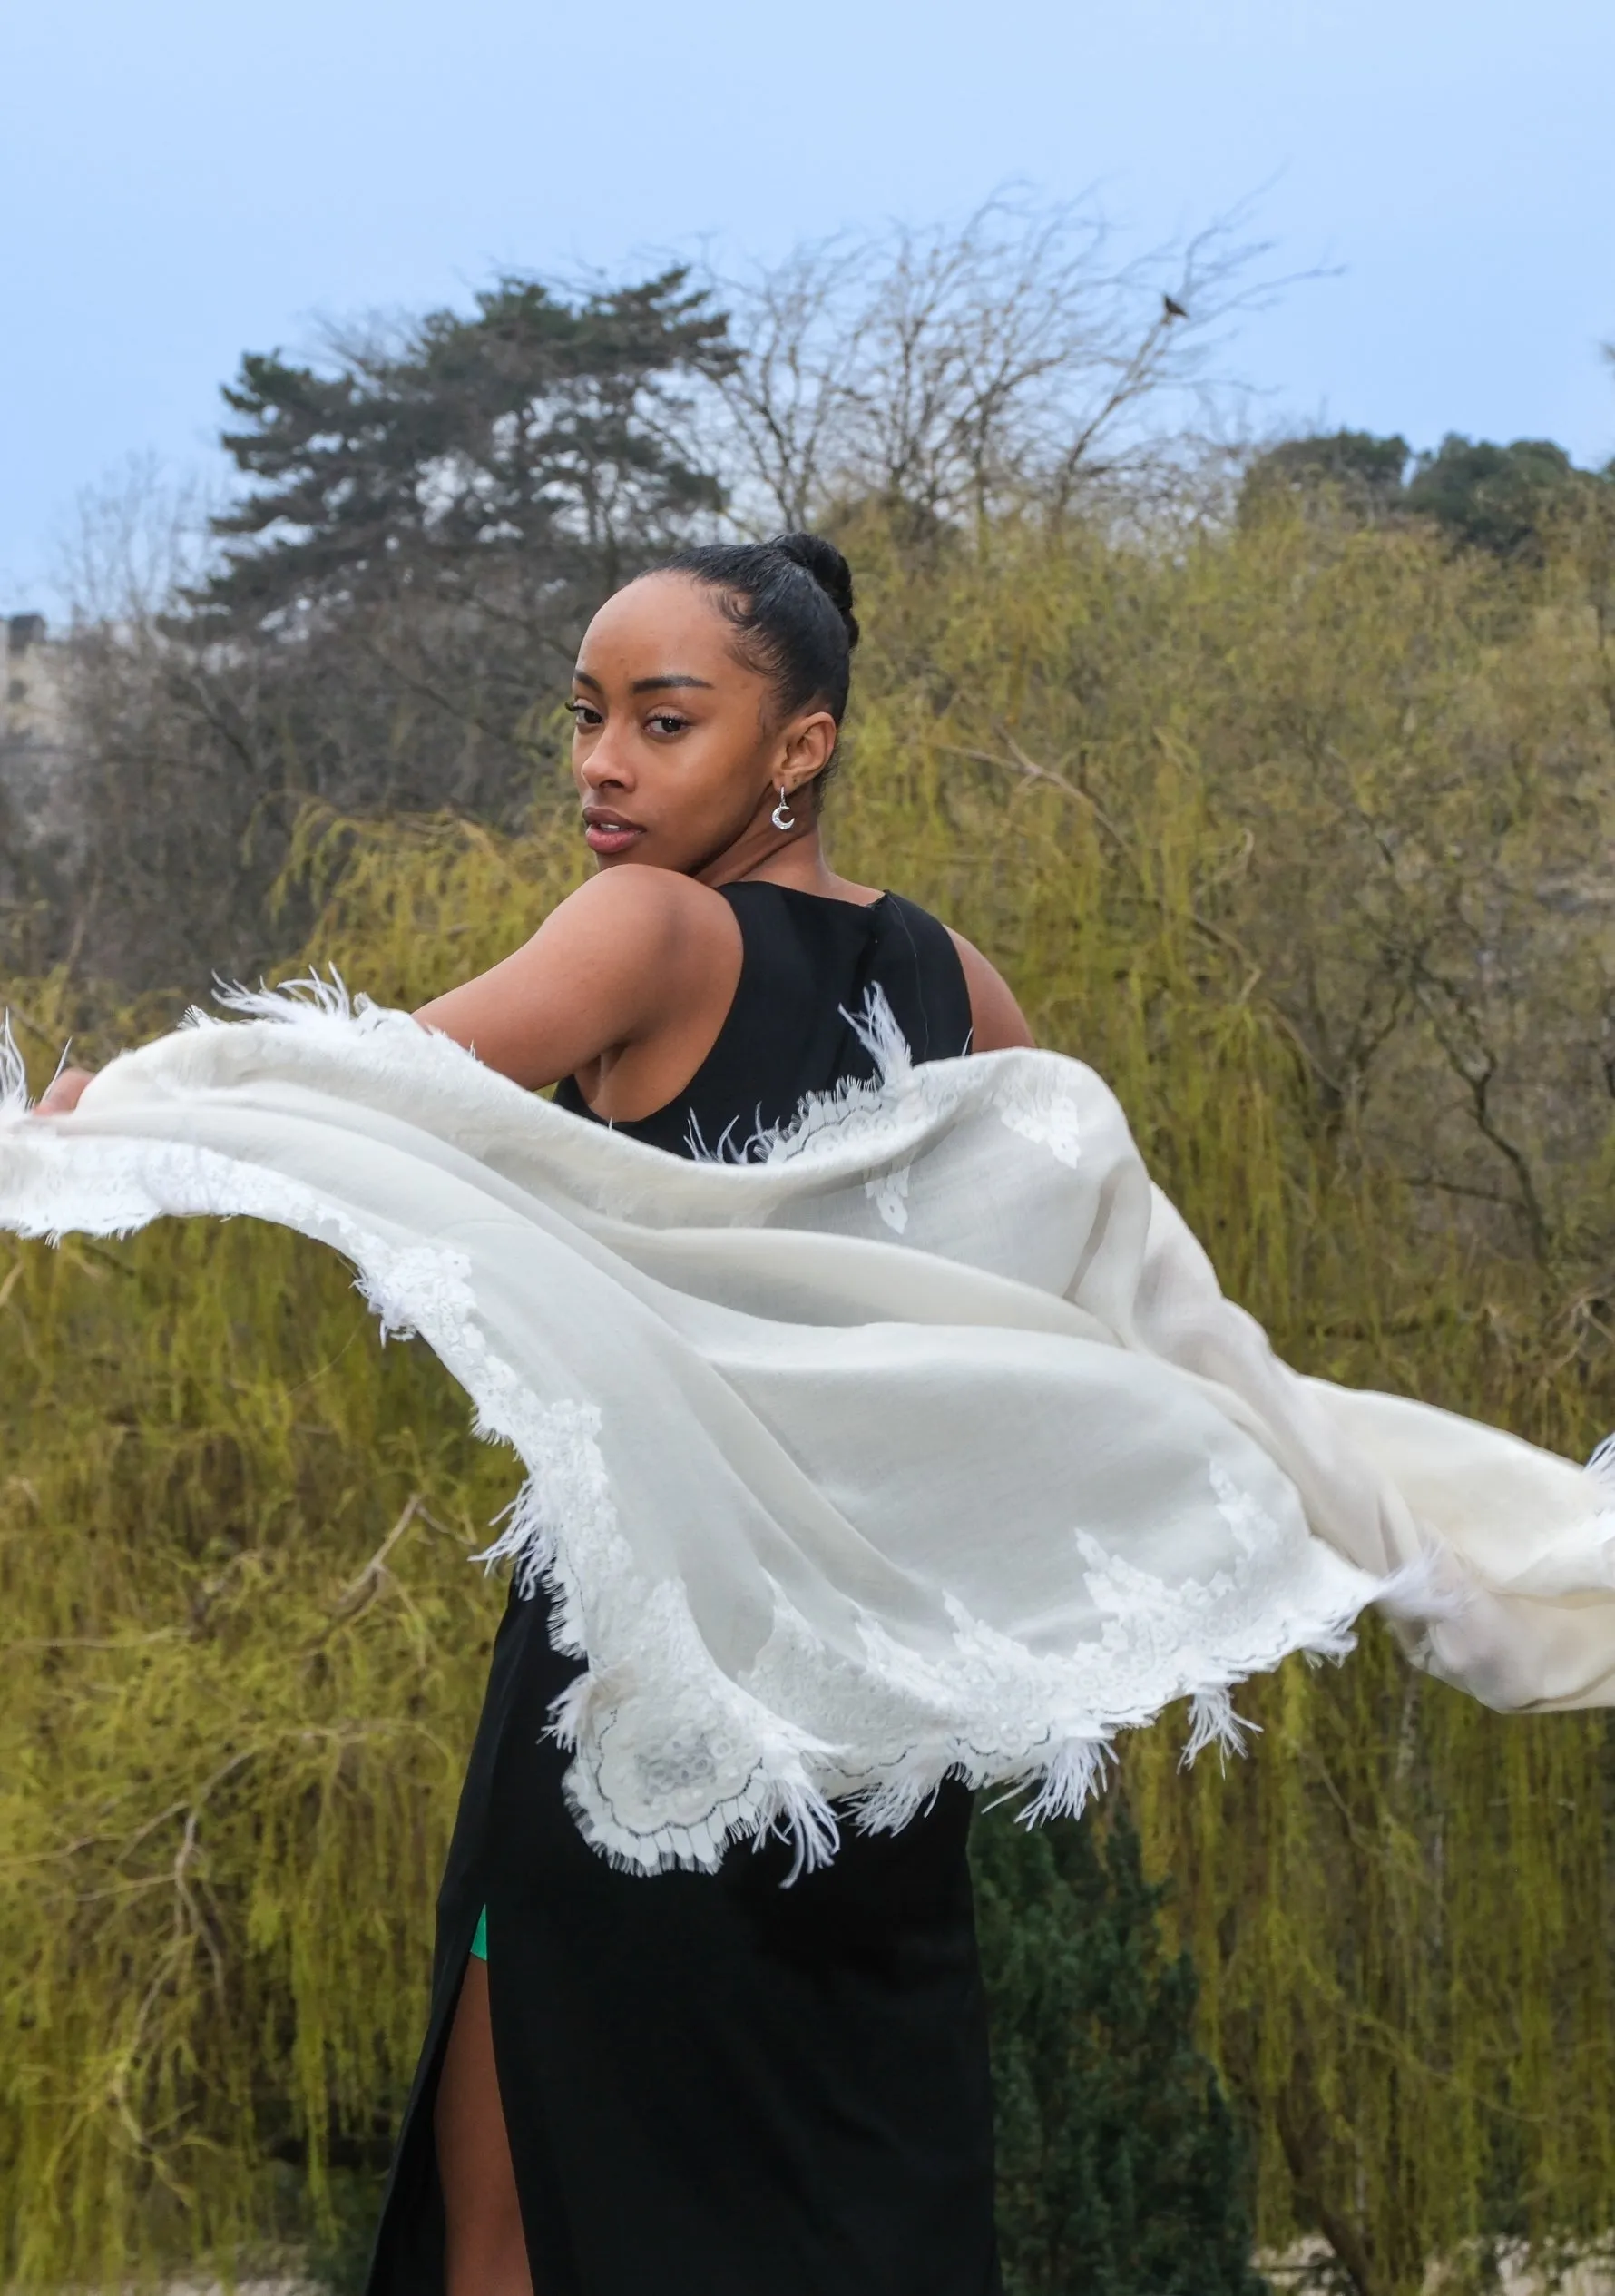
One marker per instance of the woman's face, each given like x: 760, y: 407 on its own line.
x: 677, y: 752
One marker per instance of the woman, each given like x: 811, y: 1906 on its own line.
x: 711, y: 2083
x: 689, y: 2082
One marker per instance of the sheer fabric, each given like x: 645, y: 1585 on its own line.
x: 921, y: 1444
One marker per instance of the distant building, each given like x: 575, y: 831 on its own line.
x: 41, y: 825
x: 33, y: 704
x: 35, y: 731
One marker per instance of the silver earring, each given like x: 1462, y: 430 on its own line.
x: 782, y: 817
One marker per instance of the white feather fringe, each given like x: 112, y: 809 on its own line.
x: 1071, y: 1777
x: 876, y: 1030
x: 1212, y: 1722
x: 1599, y: 1470
x: 13, y: 1076
x: 290, y: 1000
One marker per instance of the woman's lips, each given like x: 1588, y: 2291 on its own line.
x: 606, y: 836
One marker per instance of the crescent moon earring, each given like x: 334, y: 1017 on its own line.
x: 782, y: 817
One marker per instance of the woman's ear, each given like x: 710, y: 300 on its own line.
x: 808, y: 745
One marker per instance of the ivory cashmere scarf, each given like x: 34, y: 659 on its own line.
x: 922, y: 1443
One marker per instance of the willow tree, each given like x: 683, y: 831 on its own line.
x: 1288, y: 831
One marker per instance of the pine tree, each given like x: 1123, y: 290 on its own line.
x: 429, y: 520
x: 1120, y: 2169
x: 541, y: 434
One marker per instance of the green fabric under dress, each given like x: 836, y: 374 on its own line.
x: 479, y: 1944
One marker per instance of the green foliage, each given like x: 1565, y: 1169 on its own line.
x: 1364, y: 471
x: 1496, y: 498
x: 1503, y: 500
x: 1120, y: 2171
x: 337, y: 2258
x: 1295, y: 833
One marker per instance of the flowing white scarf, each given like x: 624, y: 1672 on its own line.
x: 922, y: 1444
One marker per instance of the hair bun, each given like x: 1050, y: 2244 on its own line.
x: 830, y: 569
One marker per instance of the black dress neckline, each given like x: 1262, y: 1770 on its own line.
x: 801, y: 893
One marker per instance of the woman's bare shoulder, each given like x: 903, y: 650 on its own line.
x: 637, y: 888
x: 636, y: 917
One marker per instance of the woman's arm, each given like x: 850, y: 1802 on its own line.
x: 639, y: 963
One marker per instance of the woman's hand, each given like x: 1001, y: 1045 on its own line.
x: 64, y: 1092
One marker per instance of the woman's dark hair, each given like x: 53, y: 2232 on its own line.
x: 790, y: 602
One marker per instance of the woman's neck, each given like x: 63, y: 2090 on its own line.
x: 799, y: 863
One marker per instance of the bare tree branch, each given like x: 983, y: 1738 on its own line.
x: 963, y: 371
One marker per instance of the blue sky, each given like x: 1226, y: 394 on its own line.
x: 179, y: 181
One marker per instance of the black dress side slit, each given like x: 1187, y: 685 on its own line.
x: 714, y: 2085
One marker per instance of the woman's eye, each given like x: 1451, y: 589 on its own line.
x: 665, y: 721
x: 583, y: 715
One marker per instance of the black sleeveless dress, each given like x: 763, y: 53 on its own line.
x: 715, y: 2086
